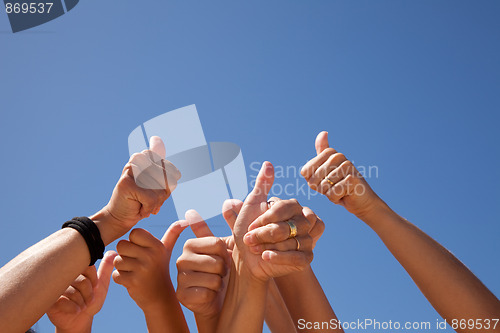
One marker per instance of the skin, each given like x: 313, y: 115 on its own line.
x: 203, y: 271
x: 452, y: 289
x: 142, y: 266
x: 33, y: 281
x: 308, y: 302
x: 74, y: 311
x: 203, y: 293
x: 244, y: 305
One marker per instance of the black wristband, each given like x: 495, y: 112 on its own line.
x: 88, y: 229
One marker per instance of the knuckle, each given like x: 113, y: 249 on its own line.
x: 121, y: 246
x: 189, y: 244
x: 215, y: 282
x: 135, y: 233
x: 329, y: 151
x: 204, y: 296
x: 340, y: 156
x: 180, y: 262
x: 220, y: 266
x: 279, y: 205
x: 220, y: 245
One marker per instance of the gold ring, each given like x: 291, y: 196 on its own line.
x: 330, y: 181
x: 298, y: 243
x: 293, y: 229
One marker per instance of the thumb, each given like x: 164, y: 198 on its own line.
x: 321, y: 142
x: 230, y: 210
x: 198, y: 225
x: 263, y: 185
x: 105, y: 269
x: 172, y: 234
x: 156, y: 146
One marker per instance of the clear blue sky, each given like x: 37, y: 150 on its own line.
x: 412, y: 87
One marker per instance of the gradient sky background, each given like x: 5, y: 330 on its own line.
x: 412, y: 87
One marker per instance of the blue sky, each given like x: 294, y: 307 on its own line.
x: 411, y: 87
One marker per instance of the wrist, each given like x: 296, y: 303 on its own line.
x: 162, y: 303
x: 245, y: 273
x: 379, y: 215
x: 86, y: 329
x: 105, y: 223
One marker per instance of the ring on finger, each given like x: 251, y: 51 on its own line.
x: 293, y: 229
x: 329, y: 181
x: 298, y: 244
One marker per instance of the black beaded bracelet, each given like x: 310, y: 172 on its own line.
x: 88, y: 229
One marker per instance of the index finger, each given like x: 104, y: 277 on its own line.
x: 172, y: 234
x: 314, y: 163
x: 281, y: 211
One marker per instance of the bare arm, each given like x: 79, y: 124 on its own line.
x: 254, y: 265
x: 33, y: 281
x: 305, y: 298
x: 277, y: 317
x: 452, y: 289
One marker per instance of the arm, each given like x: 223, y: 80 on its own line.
x: 253, y: 267
x: 308, y: 302
x: 142, y: 266
x: 452, y: 289
x: 34, y: 280
x: 277, y: 317
x: 203, y: 271
x: 75, y: 309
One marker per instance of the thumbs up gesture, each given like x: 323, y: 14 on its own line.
x: 146, y: 182
x: 142, y: 266
x: 264, y: 244
x: 332, y: 174
x: 74, y: 310
x: 203, y: 271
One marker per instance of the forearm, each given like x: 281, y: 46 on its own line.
x: 244, y: 305
x: 305, y: 298
x: 167, y: 316
x: 34, y: 280
x: 277, y: 317
x: 453, y: 290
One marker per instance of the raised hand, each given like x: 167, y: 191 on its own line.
x: 203, y: 271
x: 142, y: 264
x: 332, y: 174
x: 75, y: 309
x: 285, y: 255
x: 147, y: 180
x: 271, y: 235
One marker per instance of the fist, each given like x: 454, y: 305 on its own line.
x: 201, y: 278
x: 146, y: 182
x: 332, y: 174
x: 142, y: 265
